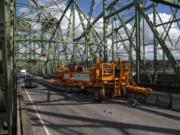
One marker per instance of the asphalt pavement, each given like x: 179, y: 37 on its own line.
x: 75, y: 113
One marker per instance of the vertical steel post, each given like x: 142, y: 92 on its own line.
x: 73, y: 31
x: 105, y: 30
x: 138, y: 41
x: 164, y: 62
x: 144, y: 49
x: 113, y: 20
x: 3, y: 80
x: 7, y: 72
x: 155, y: 45
x: 87, y: 37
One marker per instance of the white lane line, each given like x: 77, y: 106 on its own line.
x: 39, y: 116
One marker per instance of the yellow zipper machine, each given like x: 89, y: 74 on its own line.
x: 114, y: 78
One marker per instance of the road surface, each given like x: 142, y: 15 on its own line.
x: 59, y: 113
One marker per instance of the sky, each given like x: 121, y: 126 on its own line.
x: 85, y: 6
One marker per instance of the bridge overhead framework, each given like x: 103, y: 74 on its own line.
x: 38, y: 35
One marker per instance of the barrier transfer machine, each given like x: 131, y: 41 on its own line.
x: 113, y: 78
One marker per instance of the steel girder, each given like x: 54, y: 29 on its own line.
x: 7, y: 67
x: 166, y: 50
x: 91, y: 36
x: 172, y: 3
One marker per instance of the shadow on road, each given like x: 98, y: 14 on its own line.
x: 78, y: 98
x: 96, y: 123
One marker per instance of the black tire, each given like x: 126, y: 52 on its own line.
x: 98, y: 96
x: 83, y: 92
x: 123, y: 92
x: 112, y: 94
x: 108, y: 93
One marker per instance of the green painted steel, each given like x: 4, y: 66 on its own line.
x: 138, y: 40
x: 85, y: 43
x: 155, y: 45
x: 166, y: 50
x: 68, y: 34
x: 7, y: 68
x: 172, y: 3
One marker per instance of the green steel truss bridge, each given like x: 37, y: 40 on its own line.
x: 41, y: 34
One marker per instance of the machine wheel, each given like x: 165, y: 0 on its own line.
x: 98, y: 95
x: 112, y: 94
x: 123, y: 91
x: 83, y: 92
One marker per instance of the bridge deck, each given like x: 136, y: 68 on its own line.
x: 58, y: 113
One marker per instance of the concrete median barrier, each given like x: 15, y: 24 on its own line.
x: 176, y: 102
x: 152, y: 99
x: 164, y: 100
